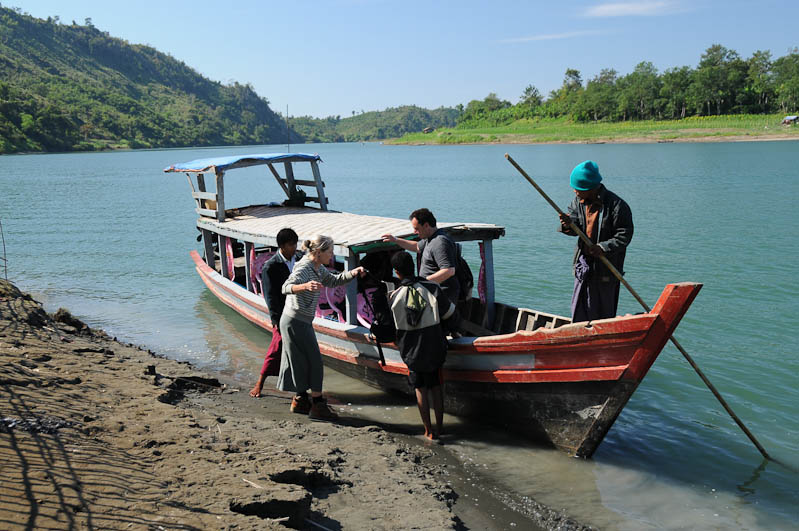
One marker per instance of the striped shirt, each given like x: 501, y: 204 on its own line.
x: 303, y: 304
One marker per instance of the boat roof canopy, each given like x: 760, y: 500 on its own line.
x: 359, y: 233
x: 220, y: 164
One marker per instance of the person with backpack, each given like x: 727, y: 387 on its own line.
x: 439, y: 254
x: 420, y: 308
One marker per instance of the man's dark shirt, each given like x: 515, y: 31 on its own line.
x: 439, y: 252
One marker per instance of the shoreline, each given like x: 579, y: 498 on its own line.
x: 608, y: 140
x: 507, y: 139
x: 101, y: 434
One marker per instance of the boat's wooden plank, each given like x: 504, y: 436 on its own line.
x: 304, y: 182
x: 206, y: 212
x: 204, y: 195
x: 208, y: 203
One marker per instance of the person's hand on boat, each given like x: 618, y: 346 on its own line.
x: 358, y: 272
x: 311, y: 285
x: 389, y: 238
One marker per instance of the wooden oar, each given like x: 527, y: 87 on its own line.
x: 618, y: 275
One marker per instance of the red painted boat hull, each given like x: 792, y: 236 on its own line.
x: 563, y: 386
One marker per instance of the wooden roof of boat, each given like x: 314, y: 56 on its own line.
x: 359, y: 233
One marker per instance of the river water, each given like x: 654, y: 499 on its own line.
x: 107, y: 235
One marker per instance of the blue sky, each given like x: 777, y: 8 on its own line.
x: 324, y: 58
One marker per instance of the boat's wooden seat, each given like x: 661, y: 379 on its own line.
x: 532, y: 319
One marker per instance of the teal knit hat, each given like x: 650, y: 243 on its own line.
x: 585, y: 176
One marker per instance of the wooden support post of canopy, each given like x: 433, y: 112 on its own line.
x: 223, y: 255
x: 488, y: 257
x: 249, y: 248
x: 352, y: 289
x: 208, y: 244
x: 320, y: 186
x: 618, y: 275
x: 220, y: 196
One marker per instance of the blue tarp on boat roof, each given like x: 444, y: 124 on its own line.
x: 239, y: 161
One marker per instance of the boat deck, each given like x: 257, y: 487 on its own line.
x: 260, y: 224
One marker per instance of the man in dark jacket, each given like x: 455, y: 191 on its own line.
x: 274, y: 273
x: 608, y: 222
x: 419, y: 307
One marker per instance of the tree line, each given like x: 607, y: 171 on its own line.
x: 722, y: 83
x: 66, y: 87
x: 373, y: 125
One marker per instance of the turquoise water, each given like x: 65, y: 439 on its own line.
x: 107, y: 235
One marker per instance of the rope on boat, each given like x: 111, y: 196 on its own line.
x: 618, y: 275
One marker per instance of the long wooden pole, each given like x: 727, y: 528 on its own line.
x: 618, y: 275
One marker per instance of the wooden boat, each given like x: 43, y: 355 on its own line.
x: 563, y: 383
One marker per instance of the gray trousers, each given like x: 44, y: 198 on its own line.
x: 301, y: 366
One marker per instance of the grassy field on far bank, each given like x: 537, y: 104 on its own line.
x: 563, y: 130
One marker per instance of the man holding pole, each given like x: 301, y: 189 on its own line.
x: 608, y: 222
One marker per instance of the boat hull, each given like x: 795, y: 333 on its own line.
x: 564, y: 387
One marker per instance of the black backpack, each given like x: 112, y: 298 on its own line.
x: 465, y: 278
x: 382, y: 328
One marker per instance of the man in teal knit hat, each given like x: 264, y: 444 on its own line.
x: 608, y: 222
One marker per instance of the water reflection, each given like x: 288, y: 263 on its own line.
x: 747, y: 486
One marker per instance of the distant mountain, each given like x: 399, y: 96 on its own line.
x: 375, y: 125
x: 68, y: 87
x: 72, y: 87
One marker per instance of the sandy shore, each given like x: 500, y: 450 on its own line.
x: 96, y: 434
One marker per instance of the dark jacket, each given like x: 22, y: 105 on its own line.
x: 273, y: 274
x: 423, y: 346
x: 615, y: 230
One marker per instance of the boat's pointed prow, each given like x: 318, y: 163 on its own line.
x: 669, y: 309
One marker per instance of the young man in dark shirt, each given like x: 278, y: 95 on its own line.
x: 439, y: 258
x: 420, y: 308
x: 273, y: 274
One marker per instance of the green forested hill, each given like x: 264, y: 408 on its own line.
x: 67, y: 87
x: 375, y: 125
